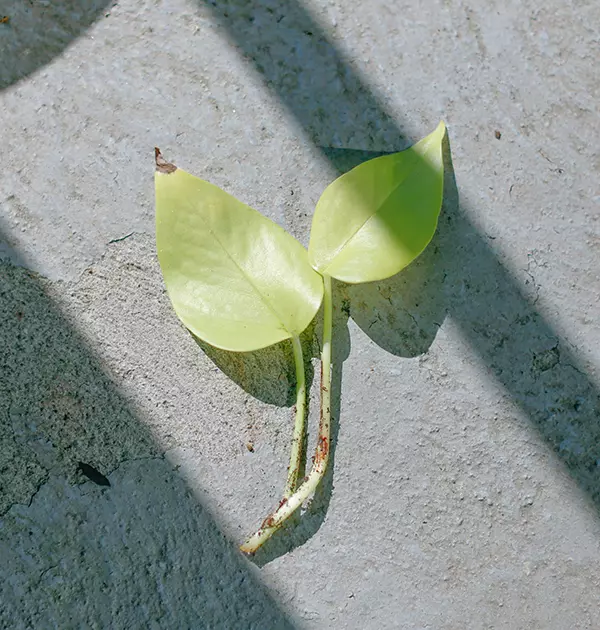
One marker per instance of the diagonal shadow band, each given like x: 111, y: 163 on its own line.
x: 36, y: 32
x: 311, y: 77
x: 141, y: 552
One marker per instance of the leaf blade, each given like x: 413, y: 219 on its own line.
x: 235, y: 279
x: 374, y: 220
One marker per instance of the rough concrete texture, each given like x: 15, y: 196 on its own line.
x: 465, y: 485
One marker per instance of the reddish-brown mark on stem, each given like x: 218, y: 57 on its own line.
x: 270, y: 520
x: 322, y: 449
x: 323, y: 442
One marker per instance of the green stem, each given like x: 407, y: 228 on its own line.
x: 300, y: 423
x: 289, y: 504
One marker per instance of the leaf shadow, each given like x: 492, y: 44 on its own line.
x: 267, y: 374
x: 402, y: 314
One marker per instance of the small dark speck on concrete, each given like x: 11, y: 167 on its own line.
x: 92, y: 474
x: 497, y: 134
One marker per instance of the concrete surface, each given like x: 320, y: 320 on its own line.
x: 465, y: 490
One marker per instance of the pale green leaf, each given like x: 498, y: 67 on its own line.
x: 374, y: 220
x: 236, y: 279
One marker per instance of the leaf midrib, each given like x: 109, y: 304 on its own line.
x: 245, y: 275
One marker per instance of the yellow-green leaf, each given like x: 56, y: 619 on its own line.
x: 374, y: 220
x: 236, y: 279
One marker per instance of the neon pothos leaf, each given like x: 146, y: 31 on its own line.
x: 236, y: 279
x: 374, y: 220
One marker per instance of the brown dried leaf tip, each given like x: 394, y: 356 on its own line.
x: 162, y: 166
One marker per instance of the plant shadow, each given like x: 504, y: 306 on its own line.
x: 402, y: 314
x: 267, y: 374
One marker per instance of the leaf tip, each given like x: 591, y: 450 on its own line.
x: 162, y: 166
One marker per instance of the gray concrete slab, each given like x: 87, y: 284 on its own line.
x: 465, y: 486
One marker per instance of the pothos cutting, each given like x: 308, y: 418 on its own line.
x: 240, y: 282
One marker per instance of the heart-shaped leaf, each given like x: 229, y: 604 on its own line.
x: 374, y: 220
x: 236, y: 279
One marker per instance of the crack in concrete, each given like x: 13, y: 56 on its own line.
x: 527, y: 270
